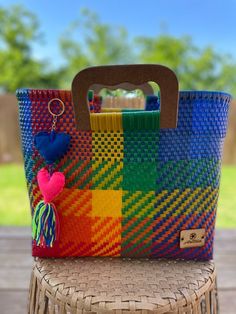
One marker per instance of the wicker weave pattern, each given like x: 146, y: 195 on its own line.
x: 131, y: 187
x: 96, y: 285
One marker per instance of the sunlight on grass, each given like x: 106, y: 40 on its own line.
x: 14, y: 204
x: 15, y: 210
x: 226, y: 214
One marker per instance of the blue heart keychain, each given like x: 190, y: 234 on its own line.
x: 52, y: 145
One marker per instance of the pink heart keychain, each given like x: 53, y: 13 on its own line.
x: 50, y: 185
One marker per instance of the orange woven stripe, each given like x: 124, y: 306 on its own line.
x: 106, y: 236
x: 73, y: 249
x: 75, y: 233
x: 74, y: 202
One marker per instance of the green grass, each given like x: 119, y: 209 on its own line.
x: 14, y: 204
x: 226, y: 214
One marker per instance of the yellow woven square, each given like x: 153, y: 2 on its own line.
x: 108, y: 145
x: 106, y: 203
x: 107, y: 174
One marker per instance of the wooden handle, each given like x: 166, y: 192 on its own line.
x: 145, y: 88
x: 136, y: 74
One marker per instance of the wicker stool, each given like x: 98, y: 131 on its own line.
x: 104, y: 285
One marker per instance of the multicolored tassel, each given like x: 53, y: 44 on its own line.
x: 45, y: 224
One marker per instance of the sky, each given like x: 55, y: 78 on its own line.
x: 208, y: 22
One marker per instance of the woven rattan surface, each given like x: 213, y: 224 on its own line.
x: 101, y: 285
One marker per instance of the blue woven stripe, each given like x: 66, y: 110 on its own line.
x: 205, y: 147
x: 205, y: 252
x: 210, y: 116
x: 191, y: 173
x: 25, y: 120
x: 176, y: 145
x: 199, y: 112
x: 152, y: 103
x: 173, y: 145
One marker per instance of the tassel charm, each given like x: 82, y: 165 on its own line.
x: 45, y: 224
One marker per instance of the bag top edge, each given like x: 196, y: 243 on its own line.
x: 183, y: 93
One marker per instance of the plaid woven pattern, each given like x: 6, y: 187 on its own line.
x: 131, y: 187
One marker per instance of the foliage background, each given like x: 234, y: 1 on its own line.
x: 86, y: 41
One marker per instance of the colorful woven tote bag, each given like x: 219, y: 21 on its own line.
x: 133, y: 183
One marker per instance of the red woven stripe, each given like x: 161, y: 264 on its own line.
x: 76, y: 173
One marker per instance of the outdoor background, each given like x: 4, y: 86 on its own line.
x: 43, y: 44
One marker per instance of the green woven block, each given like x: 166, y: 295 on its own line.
x: 137, y: 222
x: 138, y: 204
x: 139, y: 176
x: 141, y: 146
x: 136, y: 236
x: 141, y: 120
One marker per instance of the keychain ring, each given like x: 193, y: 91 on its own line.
x: 62, y: 107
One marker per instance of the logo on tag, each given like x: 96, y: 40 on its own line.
x: 192, y: 238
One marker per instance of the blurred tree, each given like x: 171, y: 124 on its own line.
x: 19, y: 29
x: 196, y: 68
x: 89, y: 42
